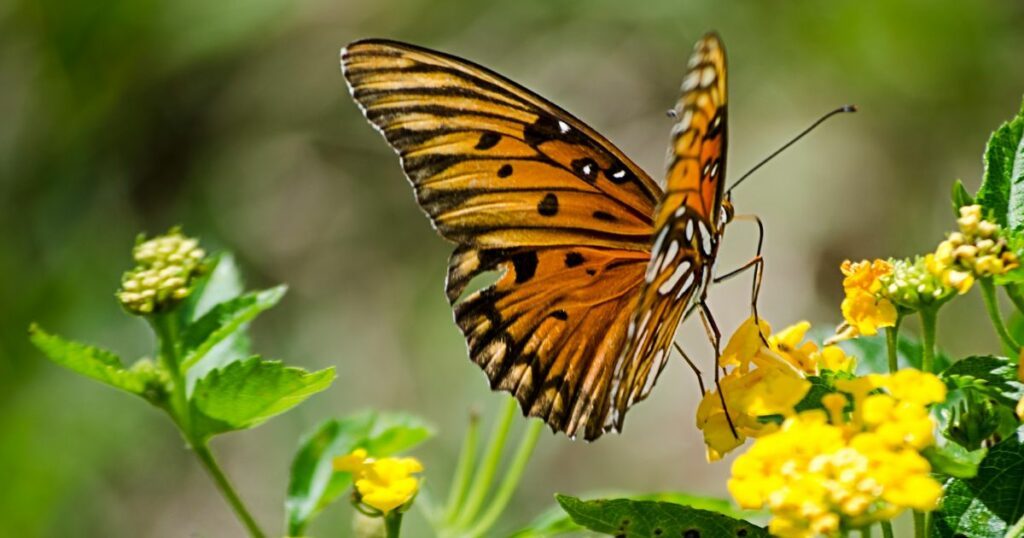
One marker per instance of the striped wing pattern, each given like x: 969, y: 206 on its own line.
x: 578, y: 322
x: 688, y: 224
x: 528, y: 191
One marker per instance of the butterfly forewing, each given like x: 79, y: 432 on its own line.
x: 529, y: 191
x: 687, y: 225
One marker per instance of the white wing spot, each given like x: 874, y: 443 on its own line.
x: 673, y: 249
x: 670, y: 284
x: 652, y: 267
x: 586, y: 169
x: 563, y: 127
x: 707, y: 76
x: 705, y: 239
x: 619, y: 175
x: 685, y: 287
x: 691, y: 80
x: 689, y: 230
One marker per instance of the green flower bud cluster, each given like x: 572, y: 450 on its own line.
x: 912, y: 285
x: 167, y: 266
x: 978, y: 248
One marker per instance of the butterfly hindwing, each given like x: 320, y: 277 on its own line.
x: 687, y: 223
x: 532, y: 193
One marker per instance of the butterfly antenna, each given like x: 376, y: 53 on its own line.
x: 840, y: 110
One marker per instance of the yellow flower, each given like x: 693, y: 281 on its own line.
x: 384, y: 484
x: 822, y: 471
x: 835, y: 359
x: 864, y: 309
x: 774, y: 387
x: 978, y: 250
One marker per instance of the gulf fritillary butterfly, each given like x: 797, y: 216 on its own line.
x: 597, y: 263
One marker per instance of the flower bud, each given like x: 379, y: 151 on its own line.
x: 166, y: 267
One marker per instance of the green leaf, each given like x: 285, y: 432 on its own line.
x: 224, y: 320
x: 555, y: 520
x: 243, y: 394
x: 1002, y: 186
x: 988, y: 504
x: 954, y: 460
x: 995, y: 377
x: 99, y: 364
x: 221, y: 282
x: 960, y: 197
x: 653, y: 519
x: 314, y: 484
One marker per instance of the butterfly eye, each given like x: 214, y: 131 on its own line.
x: 727, y: 212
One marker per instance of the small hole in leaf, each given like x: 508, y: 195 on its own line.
x: 741, y: 532
x: 691, y: 533
x: 657, y: 532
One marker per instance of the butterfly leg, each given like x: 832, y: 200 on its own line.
x: 700, y: 379
x: 757, y: 263
x: 716, y: 339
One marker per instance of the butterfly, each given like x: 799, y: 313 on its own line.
x: 596, y: 263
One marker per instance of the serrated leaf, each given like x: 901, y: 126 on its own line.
x: 314, y: 484
x: 995, y: 377
x: 222, y: 321
x: 954, y: 460
x: 653, y: 519
x: 988, y: 504
x: 93, y: 362
x: 960, y: 197
x: 243, y: 394
x: 1002, y: 187
x: 556, y: 521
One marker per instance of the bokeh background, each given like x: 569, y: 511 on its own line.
x: 232, y: 119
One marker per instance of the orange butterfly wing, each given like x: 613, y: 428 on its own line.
x: 689, y: 224
x: 527, y: 190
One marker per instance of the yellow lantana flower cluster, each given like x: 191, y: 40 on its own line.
x: 826, y: 471
x: 977, y: 251
x: 865, y: 309
x: 762, y: 381
x: 383, y: 484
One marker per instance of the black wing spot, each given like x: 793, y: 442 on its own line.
x: 560, y: 314
x: 572, y: 259
x: 619, y: 176
x: 488, y: 140
x: 505, y: 170
x: 525, y: 265
x: 591, y: 272
x: 548, y: 207
x: 605, y: 216
x: 586, y: 168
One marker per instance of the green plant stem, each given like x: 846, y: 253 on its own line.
x: 1017, y: 530
x: 919, y: 525
x: 988, y: 292
x: 463, y: 470
x: 510, y: 481
x: 167, y: 329
x: 488, y: 466
x: 891, y: 343
x: 393, y: 524
x: 928, y: 321
x: 1016, y: 297
x: 866, y: 532
x: 226, y: 489
x: 887, y: 529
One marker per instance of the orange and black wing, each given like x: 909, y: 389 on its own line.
x: 529, y: 191
x: 687, y: 224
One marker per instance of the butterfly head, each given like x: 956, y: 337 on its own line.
x: 726, y: 214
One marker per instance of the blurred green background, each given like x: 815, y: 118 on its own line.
x: 232, y: 119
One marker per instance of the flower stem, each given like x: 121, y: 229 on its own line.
x: 511, y: 479
x: 919, y: 525
x: 891, y: 343
x: 393, y: 524
x: 1017, y: 530
x: 866, y: 532
x: 928, y: 321
x: 887, y: 529
x: 488, y: 466
x: 463, y: 470
x: 206, y: 457
x: 988, y: 292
